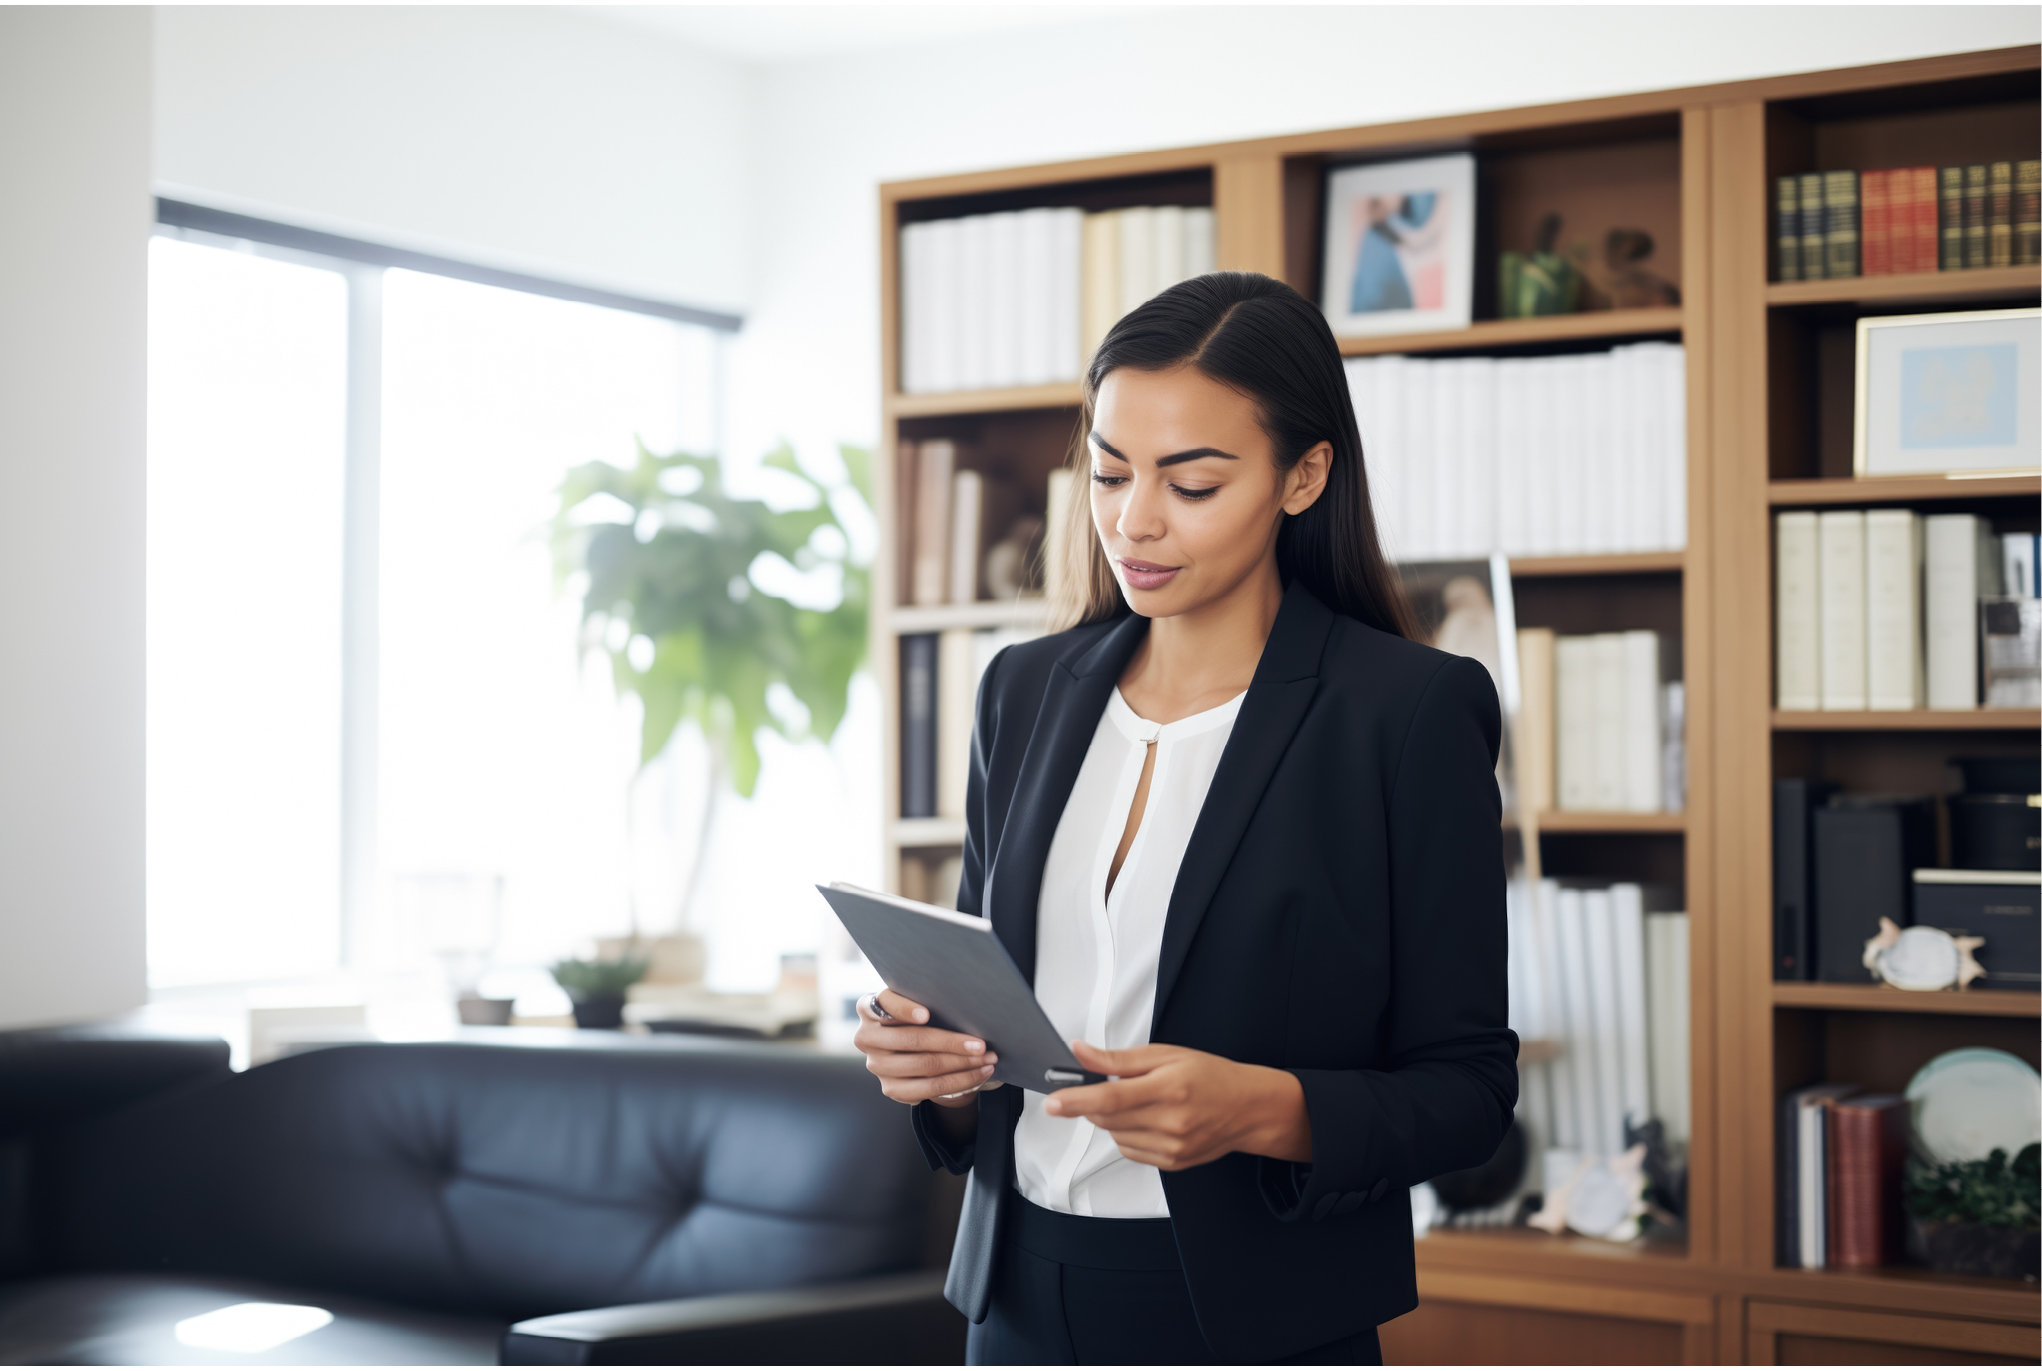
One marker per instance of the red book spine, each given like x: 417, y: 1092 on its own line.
x: 1927, y: 237
x: 1867, y: 1148
x: 1876, y: 226
x: 1900, y: 220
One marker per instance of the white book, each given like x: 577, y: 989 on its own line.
x: 1478, y: 434
x: 1893, y: 660
x: 1666, y: 956
x: 1673, y: 746
x: 1599, y: 507
x: 1812, y: 1173
x: 1673, y: 445
x: 1384, y: 379
x: 1137, y: 256
x: 967, y: 516
x: 943, y: 310
x: 1540, y: 498
x: 1797, y: 611
x: 1570, y: 399
x: 1841, y: 539
x: 1642, y: 751
x: 1449, y: 452
x: 1004, y: 305
x: 1099, y: 286
x: 1545, y: 923
x: 956, y: 694
x: 1627, y: 903
x: 935, y: 461
x: 1606, y: 676
x: 1201, y: 243
x: 1646, y: 527
x: 1035, y: 363
x: 974, y: 305
x: 914, y: 302
x: 1962, y: 567
x: 1066, y: 293
x: 1599, y: 917
x: 1506, y: 437
x: 1168, y: 226
x: 1527, y: 1012
x: 1416, y: 456
x: 1574, y: 695
x: 1582, y: 1029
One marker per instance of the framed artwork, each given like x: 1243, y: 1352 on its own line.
x: 1400, y: 246
x: 1949, y: 394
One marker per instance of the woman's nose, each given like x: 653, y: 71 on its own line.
x: 1141, y: 517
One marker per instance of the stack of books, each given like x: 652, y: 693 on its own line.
x: 1599, y: 729
x: 1890, y: 609
x: 1840, y: 1159
x: 939, y: 676
x: 939, y: 524
x: 1022, y: 298
x: 1594, y: 972
x: 1832, y: 224
x: 1536, y: 456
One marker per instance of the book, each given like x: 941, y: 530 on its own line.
x: 1803, y: 1174
x: 1611, y: 732
x: 1067, y: 354
x: 972, y: 302
x: 956, y: 693
x: 1814, y: 220
x: 1900, y: 221
x: 1893, y: 659
x: 2010, y: 649
x: 918, y: 726
x: 1950, y: 218
x: 1598, y: 922
x: 1055, y: 524
x: 1999, y: 214
x: 1794, y: 804
x: 2002, y: 907
x: 1877, y: 238
x: 1167, y: 224
x: 1866, y: 851
x: 1797, y: 611
x: 1841, y: 549
x: 1673, y: 746
x: 1976, y: 203
x: 1000, y: 321
x: 2027, y: 213
x: 1533, y: 740
x: 906, y: 484
x: 1137, y: 257
x: 1201, y: 242
x: 1666, y: 1006
x: 1925, y: 208
x: 1641, y: 751
x: 1962, y: 567
x: 1634, y: 1094
x: 1570, y: 919
x: 1787, y: 226
x: 1840, y: 230
x: 1101, y: 280
x: 1867, y: 1147
x: 2020, y: 559
x: 935, y: 466
x: 967, y: 507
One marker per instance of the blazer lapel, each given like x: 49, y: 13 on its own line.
x: 1286, y: 678
x: 1079, y: 685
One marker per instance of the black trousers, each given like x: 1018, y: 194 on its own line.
x: 1104, y: 1292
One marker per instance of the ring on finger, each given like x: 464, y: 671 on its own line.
x: 877, y: 1010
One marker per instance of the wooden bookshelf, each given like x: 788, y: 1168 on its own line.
x: 1766, y: 368
x: 1032, y: 613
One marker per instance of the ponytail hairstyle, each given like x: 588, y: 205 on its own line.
x: 1259, y: 337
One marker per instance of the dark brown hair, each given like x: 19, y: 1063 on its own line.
x: 1257, y: 336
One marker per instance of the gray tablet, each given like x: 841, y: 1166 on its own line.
x: 954, y: 965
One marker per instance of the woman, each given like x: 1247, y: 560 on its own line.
x: 1241, y: 832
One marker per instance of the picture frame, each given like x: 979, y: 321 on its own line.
x: 1399, y: 246
x: 1948, y: 394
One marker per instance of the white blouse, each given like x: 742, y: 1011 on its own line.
x: 1095, y: 954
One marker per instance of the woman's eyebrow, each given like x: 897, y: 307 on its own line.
x: 1188, y: 455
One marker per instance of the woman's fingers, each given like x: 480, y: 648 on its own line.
x: 877, y: 1037
x: 891, y: 1007
x: 915, y: 1089
x: 912, y: 1065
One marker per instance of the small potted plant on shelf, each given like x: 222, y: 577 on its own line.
x: 597, y: 987
x: 1976, y: 1218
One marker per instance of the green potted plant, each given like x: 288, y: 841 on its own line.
x: 597, y: 987
x: 1976, y: 1218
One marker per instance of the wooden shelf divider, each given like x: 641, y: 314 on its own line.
x: 1613, y: 324
x: 1879, y: 490
x: 1598, y: 564
x: 1596, y: 821
x: 1056, y: 395
x: 1975, y: 286
x: 2013, y: 1004
x: 1904, y: 720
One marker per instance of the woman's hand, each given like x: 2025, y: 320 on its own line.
x: 915, y: 1063
x: 1175, y: 1108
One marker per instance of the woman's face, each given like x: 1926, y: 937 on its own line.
x: 1186, y: 496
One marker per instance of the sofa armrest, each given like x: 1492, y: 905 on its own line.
x: 899, y: 1319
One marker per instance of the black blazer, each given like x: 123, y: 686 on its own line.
x: 1339, y: 914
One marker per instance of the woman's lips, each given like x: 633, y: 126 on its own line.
x: 1146, y: 575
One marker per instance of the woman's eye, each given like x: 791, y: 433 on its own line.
x: 1194, y: 493
x: 1102, y: 478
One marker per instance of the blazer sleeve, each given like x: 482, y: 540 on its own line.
x: 1445, y: 1098
x: 939, y: 1151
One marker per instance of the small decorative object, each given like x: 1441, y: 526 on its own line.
x: 1922, y: 958
x: 480, y: 1011
x: 1976, y: 1218
x: 1966, y: 1104
x: 1949, y: 394
x: 1541, y: 282
x: 2010, y: 632
x: 1630, y: 285
x: 597, y: 988
x: 1600, y: 1199
x: 1400, y: 246
x: 1007, y: 562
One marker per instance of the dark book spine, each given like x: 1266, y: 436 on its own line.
x: 1787, y: 1182
x: 918, y: 726
x: 1840, y: 231
x: 1811, y: 226
x: 1952, y: 218
x: 2027, y: 213
x: 1792, y: 802
x: 1927, y: 232
x: 1876, y: 245
x: 1999, y: 215
x: 1867, y: 1146
x: 1787, y: 232
x: 1974, y: 215
x: 1865, y: 855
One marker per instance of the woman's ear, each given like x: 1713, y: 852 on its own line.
x: 1306, y: 481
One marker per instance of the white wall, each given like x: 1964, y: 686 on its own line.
x: 74, y: 157
x: 833, y: 128
x: 525, y: 138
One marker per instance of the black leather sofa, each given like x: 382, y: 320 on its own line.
x: 673, y: 1202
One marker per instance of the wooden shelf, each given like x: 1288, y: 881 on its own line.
x: 984, y: 614
x: 1058, y: 395
x: 926, y: 832
x: 1591, y: 821
x: 1980, y: 284
x: 1881, y: 490
x: 1903, y: 720
x: 1502, y: 333
x: 1912, y: 1287
x: 1598, y: 564
x: 1884, y: 999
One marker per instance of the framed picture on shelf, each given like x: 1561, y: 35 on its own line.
x: 1400, y: 246
x: 1949, y: 394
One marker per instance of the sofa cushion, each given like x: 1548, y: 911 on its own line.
x: 504, y: 1181
x: 113, y: 1320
